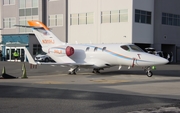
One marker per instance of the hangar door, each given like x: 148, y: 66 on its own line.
x: 178, y: 54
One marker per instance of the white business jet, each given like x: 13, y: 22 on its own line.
x: 95, y: 56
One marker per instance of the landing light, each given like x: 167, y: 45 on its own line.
x: 153, y: 67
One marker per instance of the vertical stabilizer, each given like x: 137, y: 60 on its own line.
x: 45, y: 37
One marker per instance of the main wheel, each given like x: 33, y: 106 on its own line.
x: 149, y: 74
x: 46, y: 60
x: 74, y: 72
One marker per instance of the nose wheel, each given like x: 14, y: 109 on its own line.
x: 148, y: 72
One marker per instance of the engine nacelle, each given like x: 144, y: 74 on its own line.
x: 62, y: 51
x: 69, y: 50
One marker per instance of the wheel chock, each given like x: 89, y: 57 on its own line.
x: 6, y: 76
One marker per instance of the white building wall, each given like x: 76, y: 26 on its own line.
x: 83, y: 33
x: 143, y: 33
x: 97, y: 32
x: 123, y: 32
x: 117, y: 32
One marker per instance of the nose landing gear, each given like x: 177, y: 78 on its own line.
x: 74, y: 70
x: 148, y: 72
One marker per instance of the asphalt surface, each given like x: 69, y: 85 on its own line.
x: 49, y: 89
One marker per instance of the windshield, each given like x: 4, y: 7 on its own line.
x: 135, y: 48
x: 132, y: 48
x: 125, y: 47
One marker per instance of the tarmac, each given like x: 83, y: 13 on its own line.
x: 51, y: 89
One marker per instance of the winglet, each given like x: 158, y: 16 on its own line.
x: 30, y: 59
x: 36, y: 23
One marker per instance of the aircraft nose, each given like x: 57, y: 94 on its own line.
x: 162, y: 60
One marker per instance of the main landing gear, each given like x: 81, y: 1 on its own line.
x: 74, y: 70
x: 148, y: 71
x: 97, y: 70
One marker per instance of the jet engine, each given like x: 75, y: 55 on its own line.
x: 62, y: 51
x: 69, y: 50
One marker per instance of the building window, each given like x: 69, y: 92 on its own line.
x: 35, y: 3
x: 74, y: 19
x: 90, y: 18
x: 23, y: 21
x: 8, y: 2
x: 28, y: 10
x: 105, y: 17
x: 142, y: 16
x: 37, y: 49
x: 124, y: 15
x: 56, y: 20
x: 28, y: 3
x: 82, y: 18
x: 9, y: 22
x: 170, y: 19
x: 115, y: 16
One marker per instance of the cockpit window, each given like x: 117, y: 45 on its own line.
x: 131, y: 48
x: 125, y: 48
x: 135, y: 48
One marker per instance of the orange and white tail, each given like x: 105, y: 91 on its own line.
x: 45, y: 37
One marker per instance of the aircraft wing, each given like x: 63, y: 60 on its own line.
x: 66, y: 64
x: 31, y: 61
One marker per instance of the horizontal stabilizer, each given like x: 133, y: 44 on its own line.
x: 29, y: 26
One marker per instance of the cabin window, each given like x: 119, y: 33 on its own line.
x: 125, y: 48
x: 104, y: 48
x: 95, y: 49
x: 87, y: 49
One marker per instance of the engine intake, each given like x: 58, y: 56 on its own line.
x: 69, y: 51
x: 61, y: 51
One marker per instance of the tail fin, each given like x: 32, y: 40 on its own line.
x: 45, y: 37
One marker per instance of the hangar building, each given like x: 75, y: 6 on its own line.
x: 146, y: 23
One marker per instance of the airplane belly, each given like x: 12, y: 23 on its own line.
x: 125, y: 61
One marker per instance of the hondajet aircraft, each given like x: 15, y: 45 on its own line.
x: 95, y: 56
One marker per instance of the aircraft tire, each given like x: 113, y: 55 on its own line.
x: 46, y: 60
x: 149, y: 74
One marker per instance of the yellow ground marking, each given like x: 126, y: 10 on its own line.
x: 110, y: 81
x: 50, y: 82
